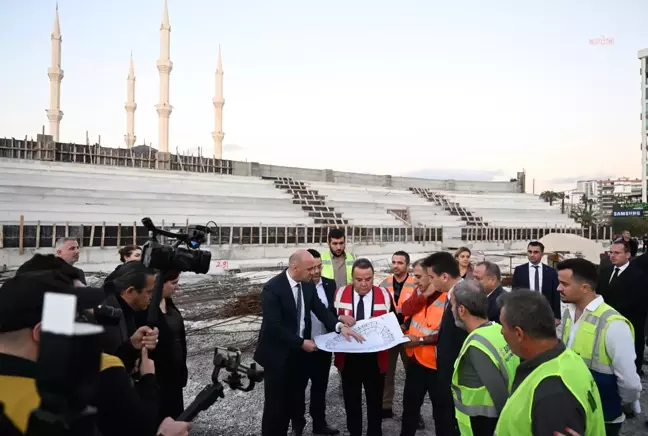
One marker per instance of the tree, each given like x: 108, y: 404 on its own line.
x: 551, y: 196
x: 582, y: 212
x: 638, y: 226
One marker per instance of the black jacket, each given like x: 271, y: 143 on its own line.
x: 493, y: 306
x: 167, y: 372
x: 628, y: 293
x: 278, y: 336
x: 122, y: 409
x: 549, y: 284
x: 449, y: 343
x: 329, y: 288
x: 116, y: 339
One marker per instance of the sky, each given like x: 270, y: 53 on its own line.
x: 464, y: 89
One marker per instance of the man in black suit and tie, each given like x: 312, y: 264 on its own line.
x: 317, y: 365
x: 490, y: 276
x: 537, y: 276
x: 444, y: 274
x: 284, y: 339
x: 623, y: 286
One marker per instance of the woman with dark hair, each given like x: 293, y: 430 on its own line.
x: 170, y: 354
x: 128, y: 253
x: 462, y: 255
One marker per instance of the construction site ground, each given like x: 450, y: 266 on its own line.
x: 223, y: 310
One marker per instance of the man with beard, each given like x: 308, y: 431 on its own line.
x: 336, y: 263
x: 602, y: 337
x: 485, y: 365
x: 401, y: 286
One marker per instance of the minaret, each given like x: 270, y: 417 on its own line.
x: 219, y: 102
x: 55, y: 74
x: 130, y: 106
x: 165, y: 66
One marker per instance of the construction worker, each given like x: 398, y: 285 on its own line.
x: 552, y: 390
x: 401, y: 286
x: 336, y: 262
x: 602, y: 337
x: 426, y: 308
x: 485, y: 367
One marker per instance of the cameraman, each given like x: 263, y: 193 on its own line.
x: 121, y: 410
x: 130, y: 291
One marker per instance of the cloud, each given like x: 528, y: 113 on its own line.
x: 461, y: 174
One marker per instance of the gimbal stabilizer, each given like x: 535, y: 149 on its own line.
x: 231, y: 362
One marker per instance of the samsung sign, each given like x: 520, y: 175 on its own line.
x: 630, y: 209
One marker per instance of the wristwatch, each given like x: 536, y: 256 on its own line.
x: 421, y: 340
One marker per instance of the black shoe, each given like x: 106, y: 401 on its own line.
x: 421, y: 423
x: 387, y: 413
x: 326, y: 430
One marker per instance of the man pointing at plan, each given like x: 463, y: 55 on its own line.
x: 362, y: 300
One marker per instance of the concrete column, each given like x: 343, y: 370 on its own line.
x: 55, y: 74
x: 219, y: 102
x: 129, y: 138
x: 164, y: 66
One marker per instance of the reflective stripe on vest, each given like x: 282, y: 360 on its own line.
x: 425, y: 323
x: 516, y: 417
x: 590, y: 344
x: 327, y: 266
x: 477, y: 401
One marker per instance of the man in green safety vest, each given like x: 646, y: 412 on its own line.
x: 336, y: 263
x: 602, y: 337
x: 485, y: 367
x: 553, y: 390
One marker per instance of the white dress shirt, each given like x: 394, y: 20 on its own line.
x: 621, y: 269
x: 295, y: 289
x: 532, y: 271
x: 619, y: 345
x: 367, y: 300
x: 318, y: 327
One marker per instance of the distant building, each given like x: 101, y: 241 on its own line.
x: 613, y: 190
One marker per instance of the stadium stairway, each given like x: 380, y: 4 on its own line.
x: 453, y: 207
x: 310, y: 201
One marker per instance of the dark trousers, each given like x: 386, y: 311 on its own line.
x: 361, y: 370
x: 316, y: 368
x: 640, y: 341
x: 613, y: 429
x: 171, y: 401
x: 482, y: 425
x: 420, y: 380
x: 282, y: 395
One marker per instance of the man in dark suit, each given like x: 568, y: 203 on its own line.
x: 284, y: 339
x: 623, y: 286
x: 317, y: 365
x: 490, y: 276
x: 444, y: 275
x: 537, y: 276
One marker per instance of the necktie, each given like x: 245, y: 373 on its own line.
x: 536, y: 280
x: 615, y: 275
x: 360, y: 312
x: 299, y: 308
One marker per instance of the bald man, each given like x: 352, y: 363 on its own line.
x: 284, y: 339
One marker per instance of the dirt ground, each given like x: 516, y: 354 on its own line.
x: 202, y: 302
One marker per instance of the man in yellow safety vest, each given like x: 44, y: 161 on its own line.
x: 602, y: 337
x: 485, y: 367
x: 552, y: 390
x: 336, y: 262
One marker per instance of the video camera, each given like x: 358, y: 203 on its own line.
x: 173, y: 257
x: 231, y: 362
x: 167, y: 257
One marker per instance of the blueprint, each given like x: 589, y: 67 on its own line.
x: 380, y: 333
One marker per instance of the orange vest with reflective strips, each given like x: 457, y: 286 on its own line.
x: 425, y: 323
x: 406, y: 291
x: 344, y: 305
